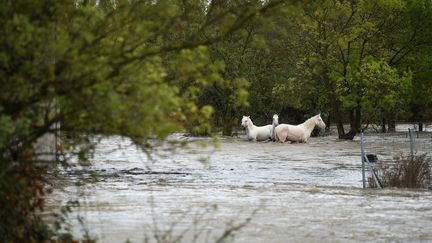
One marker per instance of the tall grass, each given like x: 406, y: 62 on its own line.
x: 404, y: 172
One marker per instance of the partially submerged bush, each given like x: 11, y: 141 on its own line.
x: 22, y: 190
x: 408, y: 172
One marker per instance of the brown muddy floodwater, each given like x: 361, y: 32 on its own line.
x: 292, y: 192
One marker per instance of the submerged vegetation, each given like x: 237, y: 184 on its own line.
x: 146, y: 69
x: 405, y: 172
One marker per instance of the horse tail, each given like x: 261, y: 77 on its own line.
x: 276, y: 137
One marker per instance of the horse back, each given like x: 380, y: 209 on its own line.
x: 264, y: 132
x: 289, y: 132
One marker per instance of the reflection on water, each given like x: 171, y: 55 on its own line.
x: 305, y: 192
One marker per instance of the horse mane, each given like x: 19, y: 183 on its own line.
x: 275, y: 120
x: 249, y: 123
x: 310, y: 123
x: 275, y: 123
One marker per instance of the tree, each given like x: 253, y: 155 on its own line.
x: 414, y: 52
x: 259, y: 53
x: 129, y: 68
x: 381, y: 92
x: 338, y: 38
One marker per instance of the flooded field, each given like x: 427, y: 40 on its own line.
x: 291, y: 192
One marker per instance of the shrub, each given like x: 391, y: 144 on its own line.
x: 406, y: 172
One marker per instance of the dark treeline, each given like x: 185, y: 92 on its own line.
x: 146, y: 68
x: 358, y: 62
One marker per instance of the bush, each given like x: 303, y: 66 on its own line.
x: 405, y: 172
x: 22, y: 189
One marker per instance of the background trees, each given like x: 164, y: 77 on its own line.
x: 331, y: 50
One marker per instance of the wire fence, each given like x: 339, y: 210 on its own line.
x: 387, y: 148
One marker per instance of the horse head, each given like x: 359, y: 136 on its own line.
x: 276, y: 119
x: 319, y: 121
x: 244, y: 121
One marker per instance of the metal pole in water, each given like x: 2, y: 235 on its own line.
x: 372, y: 172
x: 362, y: 160
x: 411, y: 142
x: 414, y: 145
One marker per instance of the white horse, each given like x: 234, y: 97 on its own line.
x: 298, y: 133
x: 262, y: 133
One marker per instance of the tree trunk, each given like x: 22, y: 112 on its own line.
x: 391, y: 125
x: 227, y: 129
x: 350, y: 135
x: 228, y: 122
x: 328, y: 121
x: 383, y: 126
x: 340, y: 129
x: 357, y: 117
x: 355, y: 124
x: 420, y: 124
x: 339, y: 124
x: 338, y: 120
x: 353, y: 130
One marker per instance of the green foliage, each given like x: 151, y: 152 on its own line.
x: 145, y: 69
x: 382, y: 91
x: 255, y: 54
x: 139, y: 69
x: 357, y: 59
x: 311, y: 57
x: 22, y: 189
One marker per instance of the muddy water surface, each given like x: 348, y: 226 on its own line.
x: 292, y: 192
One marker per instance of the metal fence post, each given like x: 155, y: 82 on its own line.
x: 362, y: 160
x: 365, y: 161
x: 372, y: 172
x: 412, y: 143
